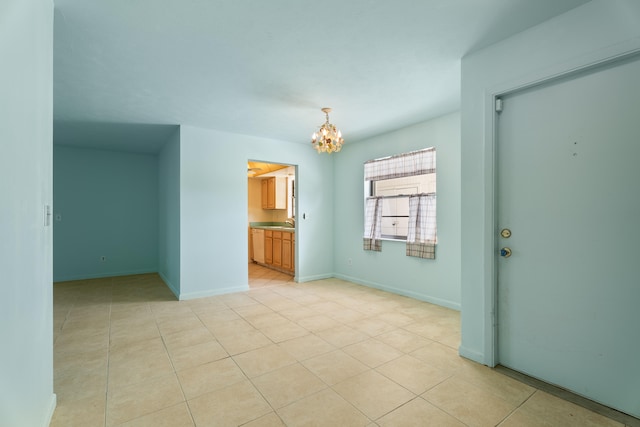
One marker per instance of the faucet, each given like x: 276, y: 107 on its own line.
x: 291, y: 222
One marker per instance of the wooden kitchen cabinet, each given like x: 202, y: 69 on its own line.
x: 274, y: 192
x: 287, y: 254
x: 268, y: 247
x: 277, y: 248
x: 293, y: 252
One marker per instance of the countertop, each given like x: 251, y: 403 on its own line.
x: 278, y: 226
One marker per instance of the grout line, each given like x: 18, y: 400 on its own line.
x: 516, y: 408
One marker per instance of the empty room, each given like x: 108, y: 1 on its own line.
x: 288, y: 213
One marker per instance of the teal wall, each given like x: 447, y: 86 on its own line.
x: 214, y: 209
x: 26, y: 306
x: 438, y: 280
x: 584, y: 36
x: 169, y: 213
x: 108, y: 205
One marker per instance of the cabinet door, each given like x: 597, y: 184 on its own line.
x: 271, y: 193
x: 286, y: 251
x: 280, y: 193
x: 293, y: 252
x: 277, y: 248
x: 268, y: 247
x: 265, y: 194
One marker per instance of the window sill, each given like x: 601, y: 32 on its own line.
x: 391, y: 239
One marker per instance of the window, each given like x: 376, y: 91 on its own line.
x: 400, y: 202
x: 395, y: 194
x: 291, y: 206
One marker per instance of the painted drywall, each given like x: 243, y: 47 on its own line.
x: 587, y: 35
x: 106, y: 204
x: 169, y: 213
x: 213, y: 209
x: 436, y: 281
x: 26, y: 132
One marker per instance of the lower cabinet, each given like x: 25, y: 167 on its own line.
x: 279, y: 249
x: 268, y: 247
x: 286, y: 251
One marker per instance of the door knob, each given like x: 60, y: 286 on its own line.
x: 505, y: 252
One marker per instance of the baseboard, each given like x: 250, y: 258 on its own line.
x: 212, y: 293
x: 102, y: 275
x: 52, y: 409
x: 399, y: 291
x: 471, y: 355
x: 170, y: 285
x: 312, y: 278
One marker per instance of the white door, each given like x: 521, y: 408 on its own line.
x: 569, y: 191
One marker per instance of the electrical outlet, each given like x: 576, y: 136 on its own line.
x: 350, y: 261
x: 103, y: 258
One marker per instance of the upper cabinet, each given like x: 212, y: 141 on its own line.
x: 274, y: 193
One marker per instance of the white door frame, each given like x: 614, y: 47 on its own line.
x: 491, y: 178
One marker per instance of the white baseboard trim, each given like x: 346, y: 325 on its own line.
x: 101, y: 275
x: 399, y: 291
x: 471, y: 355
x: 312, y: 278
x: 213, y: 292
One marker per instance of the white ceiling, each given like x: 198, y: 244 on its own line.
x: 266, y: 67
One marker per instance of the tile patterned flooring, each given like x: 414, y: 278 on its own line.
x: 323, y: 353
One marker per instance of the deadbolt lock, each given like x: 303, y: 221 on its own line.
x: 506, y: 233
x: 505, y: 252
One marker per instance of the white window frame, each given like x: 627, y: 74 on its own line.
x: 397, y: 190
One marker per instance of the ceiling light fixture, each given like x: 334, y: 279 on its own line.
x: 328, y: 138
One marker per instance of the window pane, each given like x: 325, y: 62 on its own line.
x: 402, y: 206
x: 395, y: 208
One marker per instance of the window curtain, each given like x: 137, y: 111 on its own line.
x: 421, y: 238
x: 373, y: 225
x: 407, y: 164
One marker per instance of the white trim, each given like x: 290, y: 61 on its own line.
x: 398, y: 291
x: 102, y: 275
x: 212, y: 293
x: 471, y: 355
x: 312, y: 278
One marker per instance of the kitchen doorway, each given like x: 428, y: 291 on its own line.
x: 271, y: 224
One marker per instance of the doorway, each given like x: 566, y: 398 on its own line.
x: 568, y: 206
x: 271, y: 189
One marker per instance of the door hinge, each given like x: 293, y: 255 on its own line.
x: 499, y: 105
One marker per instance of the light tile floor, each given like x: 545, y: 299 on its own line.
x: 323, y: 353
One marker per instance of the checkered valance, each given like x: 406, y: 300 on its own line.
x: 406, y: 164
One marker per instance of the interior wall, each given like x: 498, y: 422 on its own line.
x: 26, y: 306
x: 214, y: 206
x: 169, y: 213
x: 595, y: 32
x: 106, y: 204
x: 436, y: 281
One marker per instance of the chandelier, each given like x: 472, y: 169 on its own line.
x: 328, y: 138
